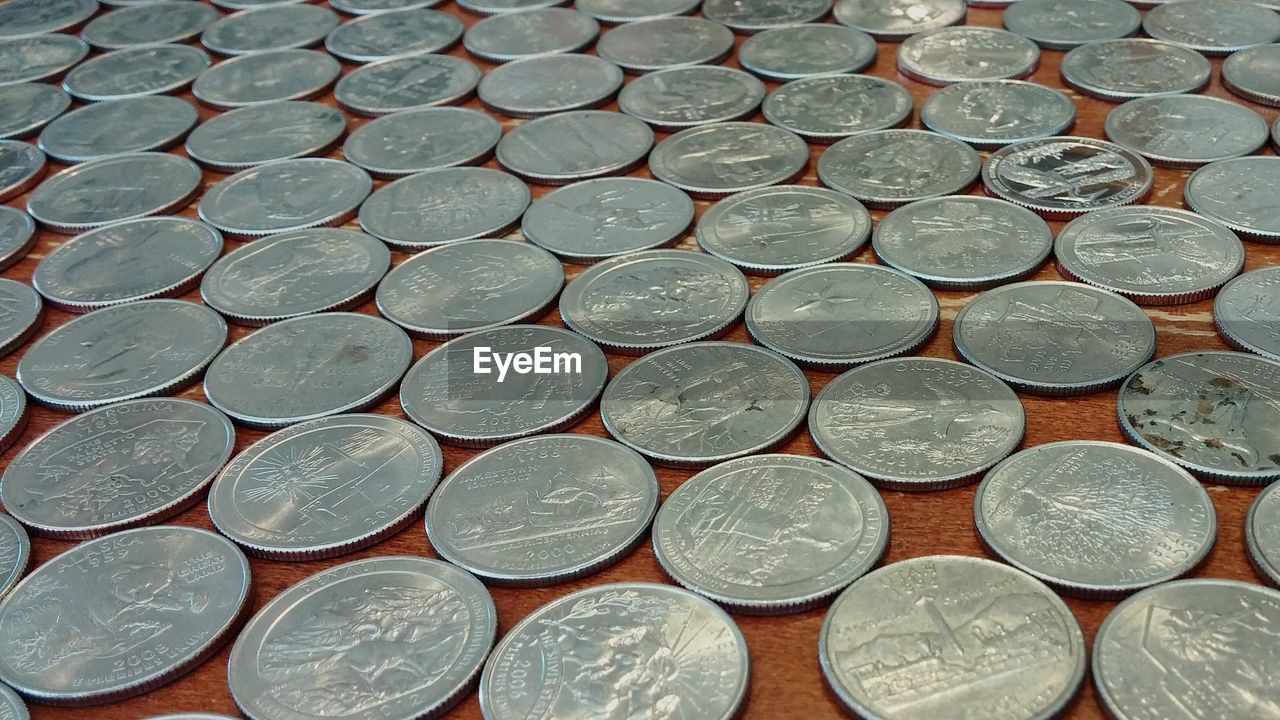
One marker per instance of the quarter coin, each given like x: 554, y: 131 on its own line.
x: 116, y: 127
x: 23, y: 18
x: 494, y: 7
x: 22, y: 165
x: 21, y: 313
x: 394, y: 34
x: 39, y: 57
x: 1262, y: 535
x: 276, y: 27
x: 406, y: 83
x: 1244, y: 312
x: 151, y: 24
x: 266, y: 77
x: 720, y: 159
x: 896, y: 20
x: 666, y: 43
x: 368, y: 7
x: 1187, y: 130
x: 15, y: 556
x: 596, y: 219
x: 12, y: 706
x: 17, y: 235
x: 135, y: 72
x: 1061, y: 177
x: 259, y: 134
x: 624, y: 11
x: 508, y: 36
x: 1252, y: 74
x: 547, y: 84
x: 565, y: 147
x: 413, y: 141
x: 1218, y: 28
x: 887, y: 168
x: 27, y: 107
x: 750, y: 16
x: 14, y: 414
x: 831, y: 107
x: 954, y: 54
x: 285, y: 195
x: 1117, y: 70
x: 1238, y: 194
x: 114, y: 189
x: 443, y: 206
x: 1065, y: 24
x: 797, y: 51
x: 993, y: 113
x: 683, y: 97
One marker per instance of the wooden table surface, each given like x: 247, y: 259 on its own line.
x: 786, y: 681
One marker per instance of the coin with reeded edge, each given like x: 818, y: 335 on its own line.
x: 17, y: 235
x: 1117, y: 70
x: 269, y: 28
x: 1220, y: 27
x: 1261, y: 534
x: 546, y: 84
x: 14, y: 414
x: 1254, y: 74
x: 266, y: 77
x: 151, y: 24
x: 15, y: 556
x: 720, y: 159
x: 21, y: 312
x: 647, y: 45
x: 1186, y: 131
x: 683, y: 97
x: 541, y: 31
x: 406, y: 83
x: 955, y: 54
x: 493, y: 7
x: 285, y: 195
x: 887, y: 168
x: 798, y: 51
x: 896, y: 20
x: 992, y: 113
x: 543, y: 510
x: 413, y: 141
x: 444, y: 206
x: 1246, y: 309
x: 1239, y: 193
x: 173, y: 594
x: 751, y: 16
x: 39, y: 57
x: 21, y: 18
x: 22, y: 165
x: 325, y: 488
x: 394, y: 34
x: 596, y: 219
x: 1065, y: 24
x: 259, y: 134
x: 116, y: 127
x: 136, y: 72
x: 25, y: 108
x: 831, y: 107
x: 625, y: 11
x: 579, y: 145
x: 114, y: 189
x: 368, y: 7
x: 1062, y: 177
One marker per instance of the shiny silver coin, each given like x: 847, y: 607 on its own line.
x: 464, y: 287
x: 579, y: 145
x: 1184, y: 131
x: 494, y: 7
x: 751, y: 16
x: 308, y: 367
x: 11, y: 705
x: 135, y: 72
x: 1261, y: 535
x: 406, y: 84
x: 543, y: 510
x: 509, y: 36
x: 647, y: 300
x: 784, y: 227
x: 277, y: 27
x: 14, y: 414
x: 625, y: 11
x: 684, y: 97
x: 1062, y: 177
x: 1140, y: 662
x: 1245, y: 312
x: 295, y: 273
x: 15, y: 557
x: 150, y: 24
x: 963, y: 242
x: 1254, y: 74
x: 887, y: 168
x: 1095, y: 519
x: 843, y: 314
x: 121, y: 466
x: 1065, y: 24
x: 596, y: 219
x: 27, y: 107
x: 325, y: 488
x: 174, y: 593
x: 251, y: 4
x: 259, y: 134
x: 720, y: 159
x: 799, y: 51
x: 369, y: 7
x: 771, y: 534
x: 394, y: 34
x: 1054, y: 338
x: 22, y: 166
x: 650, y: 625
x: 116, y: 127
x: 702, y: 403
x: 114, y: 189
x: 547, y: 84
x: 1151, y: 255
x: 1118, y: 70
x: 894, y: 624
x: 477, y: 398
x: 39, y: 57
x: 956, y: 54
x: 1239, y: 193
x: 266, y: 77
x: 896, y: 20
x: 25, y: 18
x: 285, y: 195
x: 1220, y: 27
x: 126, y: 262
x: 444, y: 206
x: 191, y: 716
x: 993, y: 113
x: 17, y: 235
x: 21, y: 313
x: 832, y: 107
x: 665, y: 43
x: 414, y: 141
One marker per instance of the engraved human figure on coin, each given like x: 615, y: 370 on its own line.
x: 887, y: 168
x: 991, y: 113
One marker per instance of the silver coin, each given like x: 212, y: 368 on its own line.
x: 191, y: 716
x: 114, y: 189
x: 886, y: 638
x: 285, y: 195
x: 38, y: 57
x: 887, y: 168
x: 463, y: 287
x: 720, y: 159
x: 116, y: 127
x: 1151, y: 255
x: 1062, y: 177
x: 14, y: 416
x: 1065, y: 24
x: 1261, y: 535
x: 625, y: 11
x: 150, y: 24
x: 1245, y: 312
x: 798, y: 51
x: 277, y: 27
x: 477, y: 404
x: 368, y: 7
x: 684, y: 97
x: 1275, y: 133
x: 11, y: 705
x: 23, y: 18
x: 173, y: 593
x: 394, y: 34
x: 771, y: 534
x: 647, y: 300
x: 325, y: 488
x: 832, y: 107
x: 1187, y: 130
x: 579, y: 145
x: 406, y: 84
x: 250, y: 4
x: 897, y: 20
x: 596, y: 219
x: 546, y: 84
x: 21, y: 313
x: 121, y: 466
x: 702, y: 403
x: 1054, y: 338
x: 27, y: 107
x: 843, y: 314
x: 1117, y: 70
x: 1239, y: 193
x: 266, y: 77
x: 750, y: 16
x: 508, y: 36
x: 15, y: 557
x: 413, y: 141
x: 784, y: 227
x: 308, y: 367
x: 993, y: 113
x: 295, y: 273
x: 444, y: 206
x: 1220, y: 27
x: 956, y: 54
x: 665, y: 43
x: 1254, y: 74
x: 17, y: 235
x: 591, y: 643
x: 259, y: 134
x: 1141, y: 665
x: 543, y: 510
x: 135, y: 72
x: 494, y: 7
x: 126, y: 262
x: 22, y: 165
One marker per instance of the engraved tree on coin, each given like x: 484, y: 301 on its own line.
x: 292, y: 475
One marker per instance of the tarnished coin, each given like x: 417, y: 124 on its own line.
x: 750, y: 16
x: 1151, y: 255
x: 1065, y: 24
x: 798, y: 51
x: 173, y: 21
x: 22, y: 165
x: 1220, y: 27
x: 21, y: 313
x: 1239, y: 193
x: 443, y: 206
x: 1062, y: 177
x: 1261, y: 535
x: 698, y: 95
x: 831, y: 107
x: 463, y: 287
x: 771, y: 534
x: 126, y: 262
x: 259, y: 134
x: 702, y: 654
x: 325, y: 488
x: 992, y: 113
x: 120, y: 466
x: 1054, y: 338
x: 266, y: 77
x: 546, y: 84
x: 308, y: 367
x: 624, y: 11
x: 116, y: 127
x: 1117, y: 70
x: 784, y: 227
x: 493, y: 7
x: 15, y: 557
x: 1246, y: 311
x: 425, y: 626
x: 725, y: 158
x: 527, y: 379
x: 394, y: 34
x: 647, y: 300
x: 1004, y: 639
x: 595, y: 219
x: 406, y: 83
x: 1254, y: 74
x: 887, y: 168
x: 842, y: 314
x: 135, y: 72
x: 896, y: 20
x: 27, y: 107
x: 1192, y: 647
x: 561, y: 148
x: 702, y: 403
x: 285, y: 195
x: 666, y: 43
x: 275, y: 27
x: 368, y: 7
x: 17, y: 235
x: 508, y: 36
x: 295, y: 273
x: 955, y: 54
x: 1187, y: 130
x: 543, y: 510
x: 414, y: 141
x: 114, y: 189
x: 39, y: 57
x: 22, y: 18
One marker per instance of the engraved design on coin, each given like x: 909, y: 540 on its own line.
x: 285, y: 195
x: 896, y: 20
x: 1218, y: 28
x: 413, y: 141
x: 394, y: 34
x: 406, y: 83
x: 640, y: 47
x: 1187, y: 130
x: 887, y: 168
x: 684, y: 97
x: 595, y: 219
x: 29, y: 107
x: 561, y: 148
x: 269, y: 28
x: 136, y: 72
x: 1239, y: 193
x: 992, y: 113
x: 830, y: 107
x: 1061, y: 177
x: 114, y: 189
x: 1246, y: 309
x: 546, y: 84
x: 21, y: 313
x: 1065, y: 24
x: 39, y: 57
x: 19, y: 18
x: 954, y: 54
x: 15, y: 555
x: 264, y: 77
x: 1262, y: 534
x: 444, y: 206
x: 797, y: 51
x: 1117, y: 70
x: 22, y: 165
x: 723, y: 158
x: 259, y: 134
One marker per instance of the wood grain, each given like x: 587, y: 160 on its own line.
x: 786, y: 682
